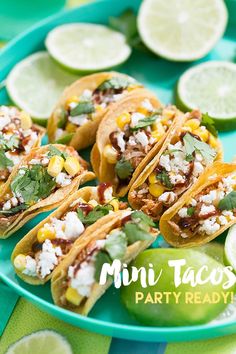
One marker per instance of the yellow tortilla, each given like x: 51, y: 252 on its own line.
x: 8, y: 224
x: 60, y: 275
x: 216, y: 172
x: 84, y: 135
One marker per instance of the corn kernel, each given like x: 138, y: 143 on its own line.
x: 110, y: 154
x: 168, y: 113
x: 73, y: 297
x: 123, y: 119
x: 72, y: 99
x: 152, y: 178
x: 213, y: 141
x: 156, y: 190
x: 193, y: 124
x: 70, y: 127
x: 26, y: 121
x: 55, y: 165
x: 158, y: 127
x: 115, y: 203
x: 72, y: 165
x: 143, y: 111
x: 45, y: 234
x: 202, y: 133
x: 20, y: 262
x: 99, y: 108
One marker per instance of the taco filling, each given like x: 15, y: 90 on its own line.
x: 43, y: 175
x: 136, y: 134
x: 84, y: 273
x: 56, y: 237
x: 185, y: 158
x: 214, y: 207
x: 79, y: 110
x: 17, y: 137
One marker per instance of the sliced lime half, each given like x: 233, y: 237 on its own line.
x: 87, y: 47
x: 211, y: 87
x: 230, y: 247
x: 183, y: 30
x: 41, y: 342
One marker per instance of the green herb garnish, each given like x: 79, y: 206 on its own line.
x: 54, y: 151
x: 190, y: 211
x: 228, y: 202
x: 134, y: 233
x: 192, y: 144
x: 98, y: 212
x: 115, y: 83
x: 116, y: 245
x: 164, y: 178
x: 14, y: 210
x: 209, y: 123
x: 138, y: 216
x: 9, y: 144
x: 4, y: 161
x: 34, y: 184
x: 101, y: 258
x: 145, y: 122
x: 123, y: 169
x: 85, y: 107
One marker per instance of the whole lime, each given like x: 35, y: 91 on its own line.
x: 158, y: 305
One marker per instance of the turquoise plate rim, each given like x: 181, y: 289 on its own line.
x: 134, y: 332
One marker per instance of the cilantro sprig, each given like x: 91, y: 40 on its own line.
x: 4, y: 160
x: 209, y: 123
x: 97, y: 213
x: 9, y: 144
x: 228, y: 202
x: 115, y: 83
x: 52, y: 151
x: 14, y: 210
x: 164, y: 178
x: 83, y: 107
x: 145, y: 122
x: 192, y: 145
x: 123, y: 169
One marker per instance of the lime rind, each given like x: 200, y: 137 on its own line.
x: 83, y: 47
x: 230, y: 248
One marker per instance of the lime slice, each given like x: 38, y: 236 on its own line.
x: 87, y: 47
x: 182, y: 30
x: 36, y: 83
x: 41, y: 342
x: 65, y: 139
x: 230, y: 248
x: 210, y: 87
x: 212, y: 249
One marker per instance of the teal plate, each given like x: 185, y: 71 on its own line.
x: 109, y: 317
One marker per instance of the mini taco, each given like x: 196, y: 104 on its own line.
x: 75, y: 283
x: 129, y: 136
x: 38, y: 254
x: 41, y: 182
x: 83, y: 105
x: 18, y: 135
x: 187, y: 151
x: 205, y: 211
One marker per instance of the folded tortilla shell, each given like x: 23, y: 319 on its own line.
x: 216, y: 172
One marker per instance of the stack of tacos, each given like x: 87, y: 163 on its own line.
x: 75, y: 283
x: 41, y: 182
x: 205, y: 211
x: 187, y: 151
x: 18, y: 135
x: 38, y: 254
x: 128, y: 137
x: 82, y: 106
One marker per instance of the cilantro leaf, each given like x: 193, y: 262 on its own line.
x: 85, y: 107
x: 54, y: 151
x: 101, y: 258
x: 9, y: 144
x: 123, y: 169
x: 14, y: 210
x: 116, y: 245
x: 140, y: 216
x: 228, y: 202
x: 164, y: 178
x: 209, y: 123
x: 190, y: 211
x: 192, y: 144
x: 97, y: 213
x: 4, y: 161
x: 115, y: 83
x: 134, y: 233
x: 145, y: 122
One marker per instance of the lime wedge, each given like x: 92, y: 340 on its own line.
x: 36, y: 83
x: 41, y: 342
x: 210, y: 87
x: 230, y: 248
x: 212, y: 249
x: 182, y: 30
x: 87, y: 47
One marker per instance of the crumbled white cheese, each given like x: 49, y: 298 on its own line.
x: 58, y: 226
x: 147, y: 105
x: 73, y: 226
x: 100, y: 243
x: 193, y: 202
x: 63, y: 179
x: 197, y: 168
x: 48, y: 258
x: 14, y: 158
x: 183, y: 213
x: 7, y: 205
x: 45, y: 161
x: 118, y: 97
x: 84, y: 279
x: 14, y: 201
x: 59, y: 133
x: 175, y: 179
x: 209, y: 226
x: 4, y: 121
x: 132, y: 141
x: 79, y: 120
x: 120, y: 141
x: 34, y: 162
x: 206, y: 209
x: 86, y: 95
x: 30, y: 266
x: 229, y: 214
x: 152, y: 140
x: 165, y: 162
x: 135, y: 118
x: 142, y: 138
x: 209, y: 198
x: 108, y: 194
x: 168, y: 198
x: 223, y: 220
